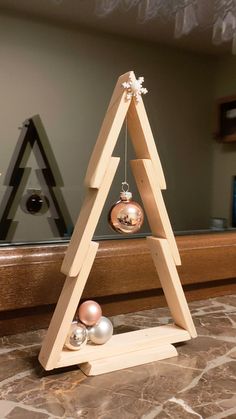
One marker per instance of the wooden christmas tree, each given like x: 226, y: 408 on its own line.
x: 33, y: 133
x: 141, y: 346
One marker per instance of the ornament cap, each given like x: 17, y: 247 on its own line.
x: 125, y: 196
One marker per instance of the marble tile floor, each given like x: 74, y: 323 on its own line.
x: 199, y: 383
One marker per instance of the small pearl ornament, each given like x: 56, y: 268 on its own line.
x: 101, y: 332
x: 77, y: 336
x: 89, y: 312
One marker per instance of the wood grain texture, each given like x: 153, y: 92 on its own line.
x: 125, y: 342
x: 121, y: 267
x: 142, y: 138
x: 140, y: 357
x: 123, y: 277
x: 139, y: 129
x: 87, y: 222
x: 171, y: 284
x: 108, y: 134
x: 65, y: 312
x: 146, y: 300
x: 153, y: 202
x: 33, y: 318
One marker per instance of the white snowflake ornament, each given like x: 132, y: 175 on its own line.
x: 134, y: 88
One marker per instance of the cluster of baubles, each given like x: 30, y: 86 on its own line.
x: 90, y: 326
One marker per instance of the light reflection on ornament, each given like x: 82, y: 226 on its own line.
x: 34, y: 203
x: 77, y: 336
x: 89, y: 312
x: 101, y: 332
x: 126, y: 216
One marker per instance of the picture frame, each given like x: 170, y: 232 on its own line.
x: 226, y: 119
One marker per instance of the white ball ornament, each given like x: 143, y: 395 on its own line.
x: 77, y: 336
x: 101, y: 332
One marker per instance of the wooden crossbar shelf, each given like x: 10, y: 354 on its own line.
x: 124, y: 343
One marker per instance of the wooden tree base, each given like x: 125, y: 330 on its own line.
x: 128, y: 360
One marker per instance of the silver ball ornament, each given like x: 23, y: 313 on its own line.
x: 77, y: 336
x: 101, y: 332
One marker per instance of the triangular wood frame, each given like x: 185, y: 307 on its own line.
x: 141, y: 346
x: 33, y: 132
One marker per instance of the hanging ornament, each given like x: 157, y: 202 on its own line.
x: 34, y: 203
x: 125, y: 216
x: 101, y: 332
x: 77, y: 336
x: 89, y: 312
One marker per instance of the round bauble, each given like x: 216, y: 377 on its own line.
x: 77, y: 336
x: 34, y: 203
x: 89, y: 312
x: 101, y: 332
x: 126, y: 216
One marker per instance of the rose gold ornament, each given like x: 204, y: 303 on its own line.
x: 89, y: 312
x: 126, y: 216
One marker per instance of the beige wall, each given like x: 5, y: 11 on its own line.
x: 224, y: 155
x: 68, y: 76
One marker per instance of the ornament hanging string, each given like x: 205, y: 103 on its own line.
x: 125, y: 185
x: 126, y: 216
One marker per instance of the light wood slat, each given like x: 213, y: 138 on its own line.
x: 139, y: 129
x: 128, y: 360
x: 153, y: 202
x: 87, y: 222
x: 124, y: 343
x: 142, y: 139
x: 171, y: 284
x: 108, y: 134
x: 65, y: 311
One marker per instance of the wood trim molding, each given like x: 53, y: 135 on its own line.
x: 123, y: 278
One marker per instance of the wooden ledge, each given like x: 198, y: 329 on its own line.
x: 123, y: 277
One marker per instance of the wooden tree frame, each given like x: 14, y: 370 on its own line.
x: 141, y: 346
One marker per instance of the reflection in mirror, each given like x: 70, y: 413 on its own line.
x: 47, y: 199
x: 56, y: 66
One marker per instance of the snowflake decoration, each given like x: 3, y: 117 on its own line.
x: 134, y: 88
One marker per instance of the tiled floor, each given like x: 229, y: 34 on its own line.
x: 199, y: 383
